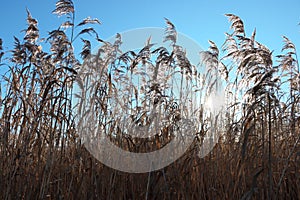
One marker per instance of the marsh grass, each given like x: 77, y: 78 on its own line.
x: 42, y: 155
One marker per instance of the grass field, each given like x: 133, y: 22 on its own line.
x: 43, y: 157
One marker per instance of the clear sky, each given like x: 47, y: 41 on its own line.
x: 201, y: 20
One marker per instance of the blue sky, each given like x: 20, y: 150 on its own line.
x: 198, y: 19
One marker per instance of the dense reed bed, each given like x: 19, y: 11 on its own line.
x: 42, y: 155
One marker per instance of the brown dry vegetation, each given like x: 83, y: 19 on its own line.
x: 42, y: 157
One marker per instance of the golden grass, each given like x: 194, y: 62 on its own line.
x: 42, y: 157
